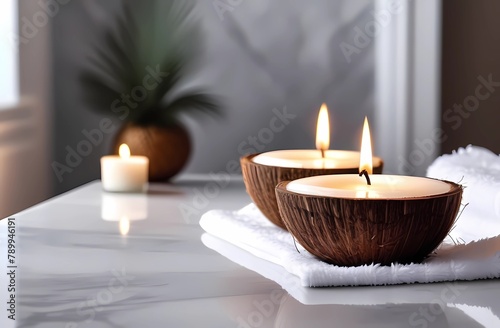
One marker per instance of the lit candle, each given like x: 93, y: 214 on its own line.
x: 368, y: 187
x: 358, y: 219
x: 322, y: 158
x: 124, y: 173
x: 365, y: 158
x: 382, y: 186
x: 323, y: 130
x: 262, y: 172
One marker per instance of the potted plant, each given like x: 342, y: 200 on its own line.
x: 134, y: 72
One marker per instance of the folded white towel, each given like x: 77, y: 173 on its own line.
x: 478, y: 170
x: 251, y: 231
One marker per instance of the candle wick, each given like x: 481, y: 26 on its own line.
x: 322, y: 153
x: 365, y: 173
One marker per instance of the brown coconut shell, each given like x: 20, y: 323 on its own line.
x: 261, y: 180
x: 352, y: 232
x: 168, y: 148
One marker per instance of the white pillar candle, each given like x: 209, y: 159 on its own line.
x: 311, y: 159
x: 382, y: 186
x: 124, y: 173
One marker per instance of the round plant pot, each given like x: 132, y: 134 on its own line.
x: 167, y: 148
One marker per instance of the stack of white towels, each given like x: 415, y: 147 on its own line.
x: 478, y: 170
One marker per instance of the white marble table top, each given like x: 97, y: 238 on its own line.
x: 93, y: 259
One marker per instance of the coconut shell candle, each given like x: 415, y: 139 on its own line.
x: 262, y: 172
x: 355, y: 219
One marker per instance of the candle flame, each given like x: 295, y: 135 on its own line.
x: 323, y: 129
x: 365, y: 159
x: 124, y: 226
x: 124, y: 151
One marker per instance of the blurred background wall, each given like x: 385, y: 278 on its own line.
x: 264, y: 57
x: 471, y: 52
x: 260, y: 55
x: 26, y: 122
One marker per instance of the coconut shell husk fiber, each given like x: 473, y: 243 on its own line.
x: 353, y: 232
x: 261, y: 180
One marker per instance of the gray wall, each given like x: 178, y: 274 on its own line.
x: 262, y: 55
x: 471, y: 48
x: 73, y: 30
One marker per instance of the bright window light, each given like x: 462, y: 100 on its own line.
x: 9, y: 70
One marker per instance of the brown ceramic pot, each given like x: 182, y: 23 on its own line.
x: 167, y: 148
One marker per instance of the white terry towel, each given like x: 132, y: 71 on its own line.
x: 251, y: 231
x: 478, y: 170
x: 478, y: 228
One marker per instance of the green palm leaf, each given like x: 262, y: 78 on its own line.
x: 147, y: 35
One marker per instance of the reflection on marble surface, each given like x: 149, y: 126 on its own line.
x: 435, y: 314
x: 441, y: 293
x: 123, y: 208
x: 439, y: 305
x: 77, y: 270
x: 293, y: 314
x: 115, y: 206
